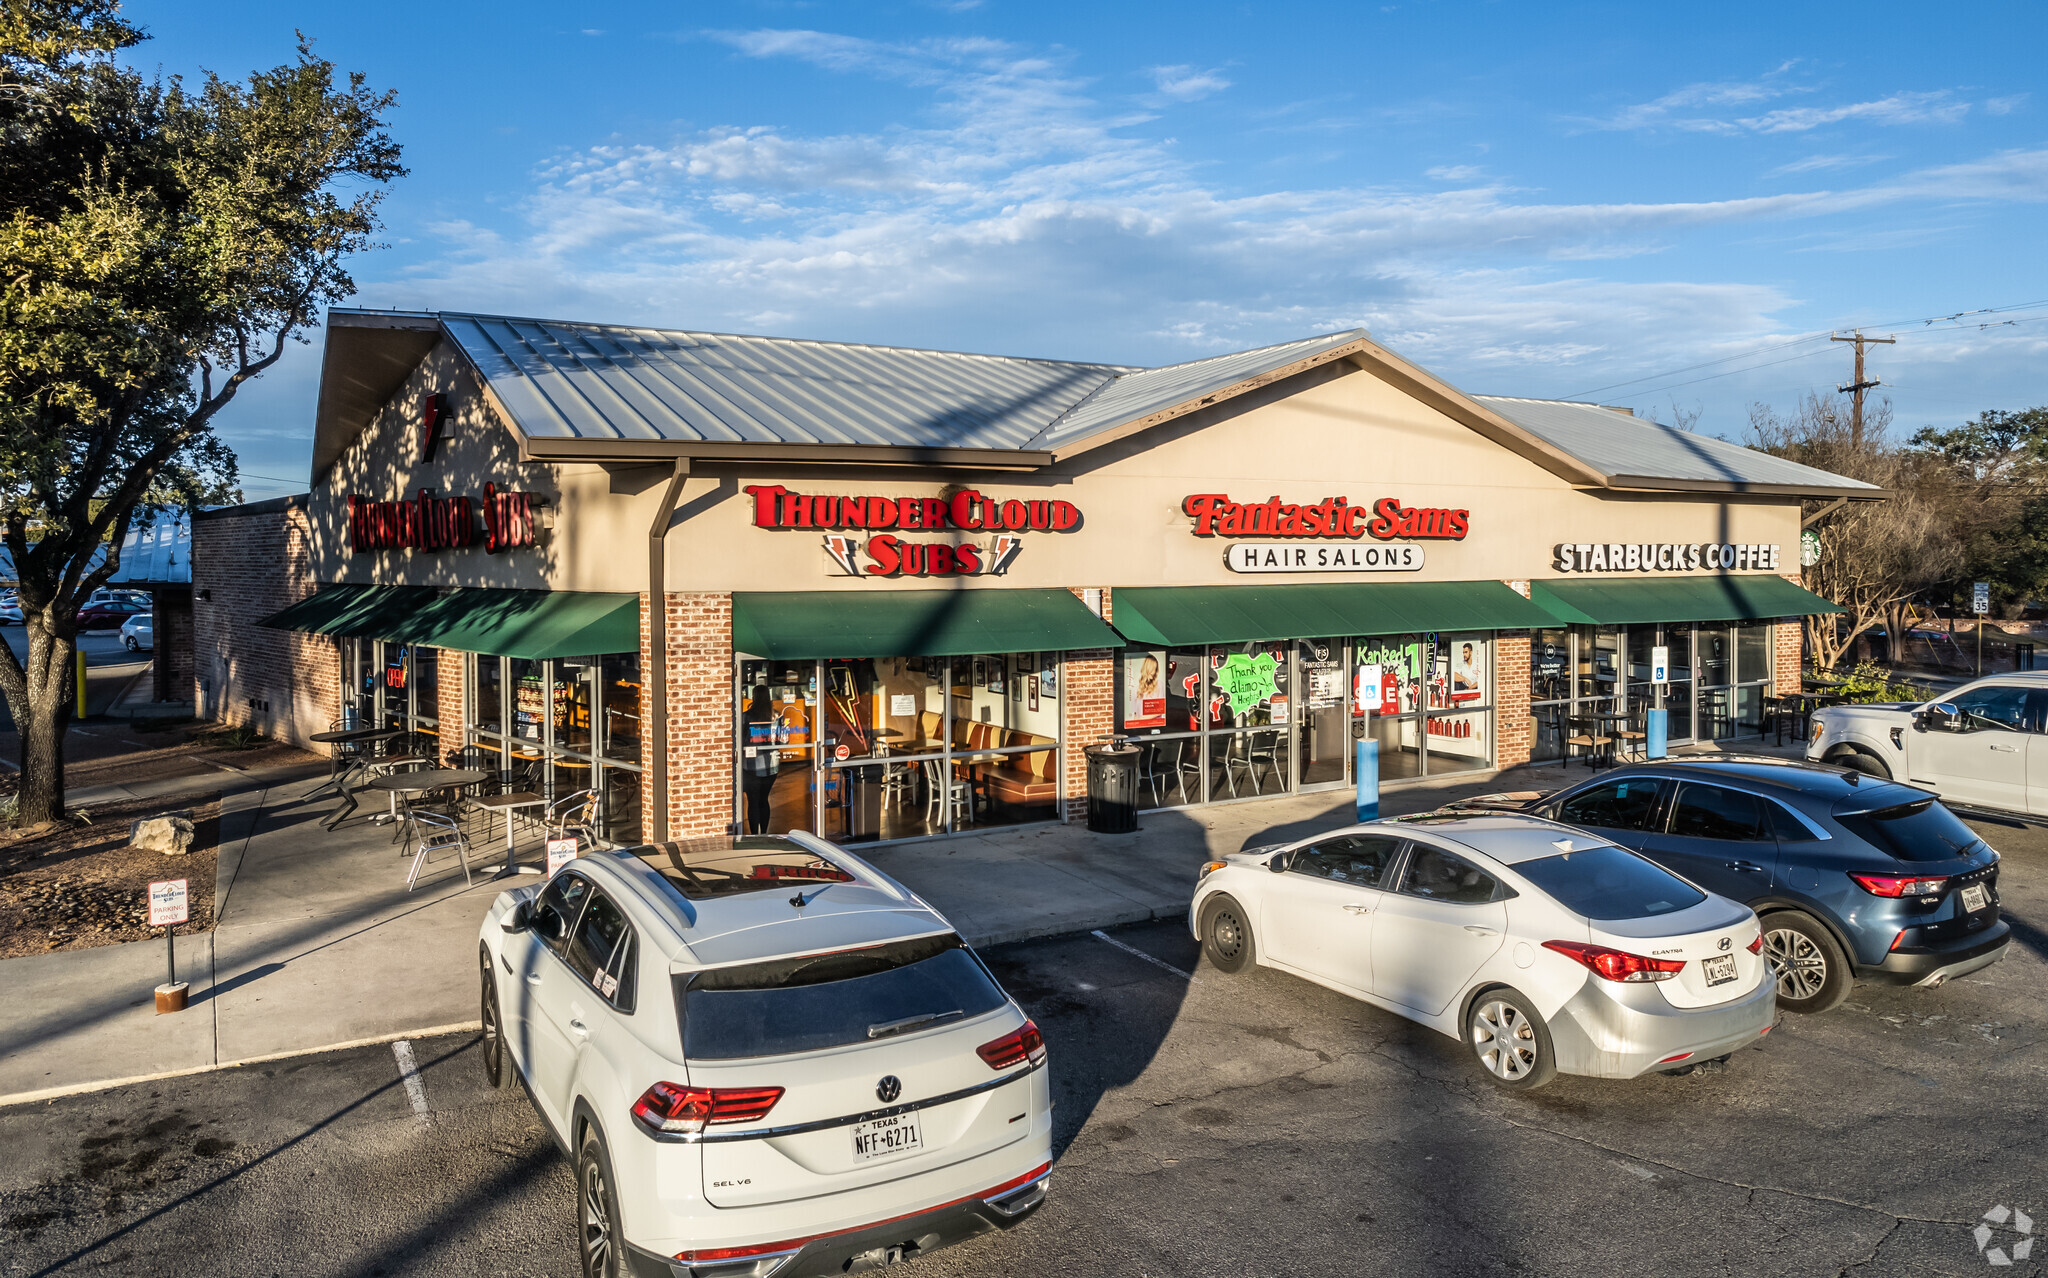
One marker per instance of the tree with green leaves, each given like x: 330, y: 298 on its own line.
x: 159, y: 247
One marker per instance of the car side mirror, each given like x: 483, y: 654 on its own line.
x: 1942, y: 716
x: 521, y: 917
x: 1280, y: 862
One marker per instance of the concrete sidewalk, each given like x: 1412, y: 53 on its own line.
x: 319, y: 945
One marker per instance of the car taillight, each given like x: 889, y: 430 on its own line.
x: 1617, y: 965
x: 670, y: 1108
x: 1756, y: 946
x: 1022, y: 1044
x: 1891, y: 885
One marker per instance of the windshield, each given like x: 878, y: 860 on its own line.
x: 1610, y: 883
x: 1922, y: 831
x: 814, y: 1002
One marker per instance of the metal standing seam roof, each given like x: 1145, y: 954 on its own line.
x: 1620, y: 446
x: 586, y: 386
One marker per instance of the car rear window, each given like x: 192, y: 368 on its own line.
x: 1610, y: 883
x: 818, y: 1001
x: 1921, y: 831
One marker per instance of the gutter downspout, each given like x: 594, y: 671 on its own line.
x: 656, y: 801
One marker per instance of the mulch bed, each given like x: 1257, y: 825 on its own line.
x: 79, y: 885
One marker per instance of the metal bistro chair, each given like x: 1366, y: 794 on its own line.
x: 1633, y: 739
x: 1148, y: 770
x: 1586, y: 735
x: 574, y: 814
x: 441, y: 804
x: 953, y: 797
x: 1189, y: 764
x: 437, y: 834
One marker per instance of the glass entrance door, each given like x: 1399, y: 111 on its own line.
x: 1324, y: 734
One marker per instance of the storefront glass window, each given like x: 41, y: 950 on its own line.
x: 778, y: 740
x: 1459, y: 716
x: 1158, y: 692
x: 426, y: 686
x: 1387, y: 684
x: 1550, y: 691
x: 619, y: 687
x: 487, y: 697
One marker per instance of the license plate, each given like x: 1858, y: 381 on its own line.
x: 1975, y: 897
x: 881, y: 1137
x: 1720, y: 968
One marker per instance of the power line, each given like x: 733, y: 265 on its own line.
x: 1924, y: 320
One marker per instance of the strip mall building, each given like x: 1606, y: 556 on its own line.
x: 882, y: 593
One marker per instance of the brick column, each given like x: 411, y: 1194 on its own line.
x: 700, y: 712
x: 1788, y: 662
x: 1087, y: 706
x: 451, y: 699
x: 1511, y: 743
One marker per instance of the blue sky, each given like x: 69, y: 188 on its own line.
x: 1644, y: 205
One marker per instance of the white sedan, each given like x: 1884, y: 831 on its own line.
x: 1546, y: 949
x: 765, y: 1057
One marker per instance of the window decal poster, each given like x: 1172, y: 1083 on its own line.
x: 1468, y: 671
x: 1145, y: 690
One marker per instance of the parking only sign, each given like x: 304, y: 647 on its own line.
x: 560, y: 853
x: 169, y: 903
x: 1980, y: 598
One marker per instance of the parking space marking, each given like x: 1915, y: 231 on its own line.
x: 1189, y: 977
x: 409, y: 1071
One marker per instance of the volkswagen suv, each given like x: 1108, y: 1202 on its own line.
x: 765, y: 1057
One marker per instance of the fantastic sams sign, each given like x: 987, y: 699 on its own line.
x: 1322, y: 532
x: 891, y: 525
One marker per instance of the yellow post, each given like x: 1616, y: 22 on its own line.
x: 80, y: 654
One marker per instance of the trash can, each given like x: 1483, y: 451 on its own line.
x: 1112, y: 788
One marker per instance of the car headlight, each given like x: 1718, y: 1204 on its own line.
x: 1210, y: 869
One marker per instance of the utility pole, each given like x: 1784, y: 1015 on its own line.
x: 1860, y: 385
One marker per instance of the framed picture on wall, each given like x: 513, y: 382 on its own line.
x: 995, y: 675
x: 981, y: 672
x: 1033, y: 699
x: 1017, y: 688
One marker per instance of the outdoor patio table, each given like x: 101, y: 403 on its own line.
x: 422, y: 779
x: 508, y: 804
x: 343, y: 774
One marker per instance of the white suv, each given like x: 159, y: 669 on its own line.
x: 765, y: 1057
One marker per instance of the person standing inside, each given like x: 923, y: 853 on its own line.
x: 760, y: 761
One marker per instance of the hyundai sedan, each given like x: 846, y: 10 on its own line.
x: 765, y: 1057
x: 1546, y: 949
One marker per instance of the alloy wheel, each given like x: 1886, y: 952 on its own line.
x: 493, y: 1043
x: 597, y: 1220
x: 1799, y: 964
x: 1504, y: 1039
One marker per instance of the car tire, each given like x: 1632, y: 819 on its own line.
x: 1227, y: 935
x: 600, y: 1244
x: 1868, y: 764
x: 1509, y: 1040
x: 128, y: 642
x: 493, y: 1028
x: 1812, y: 971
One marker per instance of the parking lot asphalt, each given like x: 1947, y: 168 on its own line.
x: 1206, y: 1124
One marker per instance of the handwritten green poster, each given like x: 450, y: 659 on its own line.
x: 1247, y: 679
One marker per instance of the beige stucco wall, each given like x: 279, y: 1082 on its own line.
x: 1343, y: 433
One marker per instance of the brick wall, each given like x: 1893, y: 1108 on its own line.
x: 700, y: 723
x: 1511, y: 743
x: 172, y: 675
x: 248, y: 562
x: 1787, y: 661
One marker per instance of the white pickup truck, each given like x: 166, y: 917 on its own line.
x: 1985, y: 745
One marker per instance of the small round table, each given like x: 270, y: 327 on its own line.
x: 341, y: 772
x: 419, y: 779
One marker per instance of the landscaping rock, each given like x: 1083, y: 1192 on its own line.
x: 170, y: 835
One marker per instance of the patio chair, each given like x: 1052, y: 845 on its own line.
x: 1189, y: 764
x: 1586, y: 735
x: 574, y: 814
x: 437, y: 834
x: 1634, y: 739
x: 1148, y: 770
x: 954, y: 797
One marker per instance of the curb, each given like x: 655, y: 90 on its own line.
x: 80, y: 1089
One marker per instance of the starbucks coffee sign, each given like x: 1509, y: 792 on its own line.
x: 1599, y: 556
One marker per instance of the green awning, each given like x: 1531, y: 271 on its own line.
x: 1616, y: 603
x: 805, y: 625
x: 1168, y: 616
x: 513, y: 623
x: 369, y: 611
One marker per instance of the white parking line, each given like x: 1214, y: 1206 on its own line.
x: 1156, y: 962
x: 409, y: 1070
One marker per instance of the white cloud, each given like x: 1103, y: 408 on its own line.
x: 1454, y: 172
x: 1817, y: 163
x: 2006, y: 105
x: 1186, y: 84
x: 1703, y: 108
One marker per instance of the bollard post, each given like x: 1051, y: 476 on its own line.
x: 1656, y: 730
x: 1367, y: 766
x: 80, y: 708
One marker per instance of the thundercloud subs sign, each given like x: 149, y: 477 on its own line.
x: 914, y: 536
x: 1326, y: 536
